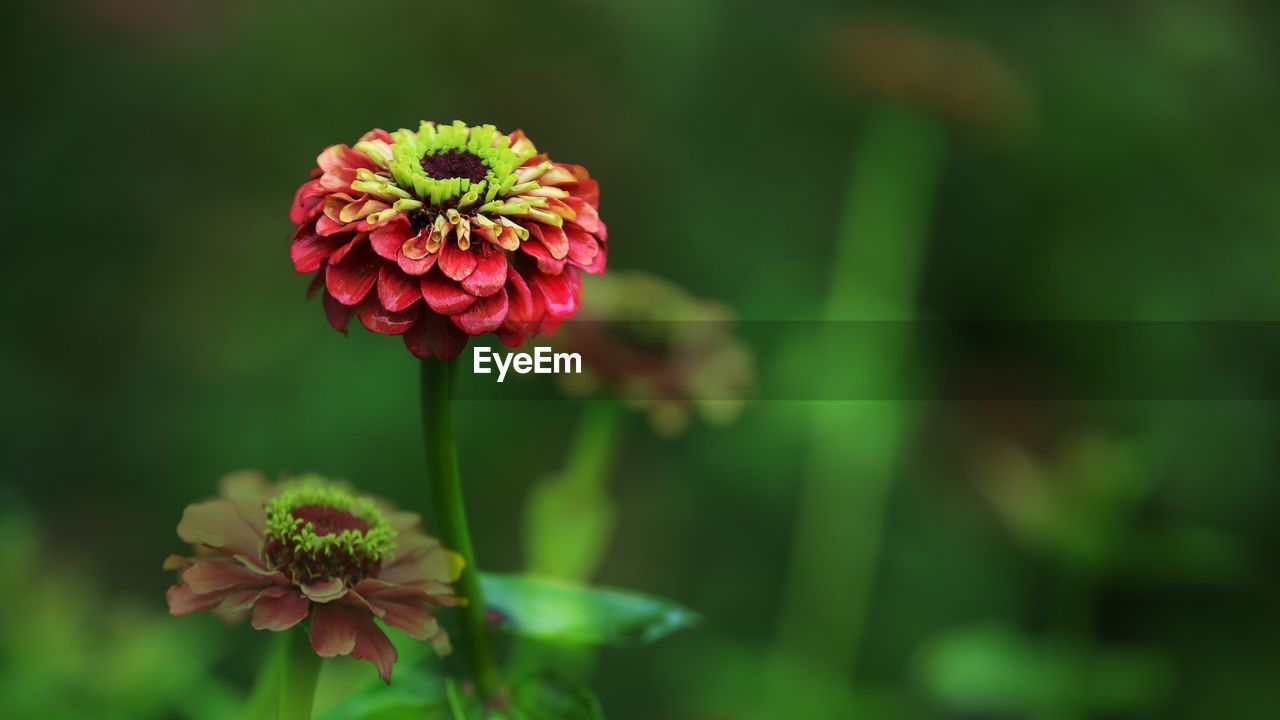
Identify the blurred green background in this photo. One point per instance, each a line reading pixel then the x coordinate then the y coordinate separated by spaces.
pixel 796 161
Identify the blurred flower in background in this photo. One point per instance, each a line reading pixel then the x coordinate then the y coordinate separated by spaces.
pixel 1082 511
pixel 659 350
pixel 1079 513
pixel 312 550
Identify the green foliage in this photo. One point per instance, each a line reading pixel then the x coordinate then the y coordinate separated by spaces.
pixel 535 697
pixel 422 692
pixel 418 691
pixel 69 651
pixel 564 612
pixel 994 669
pixel 1082 512
pixel 567 527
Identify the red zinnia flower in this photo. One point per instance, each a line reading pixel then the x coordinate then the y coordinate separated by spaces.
pixel 447 232
pixel 312 549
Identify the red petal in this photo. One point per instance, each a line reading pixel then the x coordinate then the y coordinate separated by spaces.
pixel 588 219
pixel 350 280
pixel 588 190
pixel 206 576
pixel 515 337
pixel 333 630
pixel 337 313
pixel 434 336
pixel 386 240
pixel 521 307
pixel 445 296
pixel 490 272
pixel 372 645
pixel 342 250
pixel 324 591
pixel 184 602
pixel 583 248
pixel 416 267
pixel 415 246
pixel 381 320
pixel 326 225
pixel 412 617
pixel 309 250
pixel 486 315
pixel 218 524
pixel 552 237
pixel 376 134
pixel 396 290
pixel 305 201
pixel 280 613
pixel 539 252
pixel 455 263
pixel 341 157
pixel 559 291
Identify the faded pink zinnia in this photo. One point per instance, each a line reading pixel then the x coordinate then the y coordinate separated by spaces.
pixel 447 232
pixel 310 549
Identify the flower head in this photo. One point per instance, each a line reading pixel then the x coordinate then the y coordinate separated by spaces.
pixel 660 350
pixel 446 232
pixel 311 549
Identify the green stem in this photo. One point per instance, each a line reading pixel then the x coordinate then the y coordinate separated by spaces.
pixel 568 516
pixel 451 517
pixel 594 445
pixel 264 698
pixel 301 667
pixel 856 445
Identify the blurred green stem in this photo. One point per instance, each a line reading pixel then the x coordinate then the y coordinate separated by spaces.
pixel 263 701
pixel 568 525
pixel 445 485
pixel 856 444
pixel 301 667
pixel 591 456
pixel 568 516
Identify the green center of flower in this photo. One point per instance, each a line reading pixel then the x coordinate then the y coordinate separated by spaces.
pixel 317 532
pixel 445 166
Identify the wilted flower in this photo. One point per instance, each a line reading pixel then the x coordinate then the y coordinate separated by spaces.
pixel 447 232
pixel 661 350
pixel 312 549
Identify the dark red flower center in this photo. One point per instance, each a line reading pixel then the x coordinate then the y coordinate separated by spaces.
pixel 455 164
pixel 303 564
pixel 329 521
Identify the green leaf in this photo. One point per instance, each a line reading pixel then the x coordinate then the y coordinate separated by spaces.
pixel 553 697
pixel 414 693
pixel 562 612
pixel 533 697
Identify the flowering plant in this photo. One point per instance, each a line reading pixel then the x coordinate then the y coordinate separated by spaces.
pixel 312 550
pixel 447 232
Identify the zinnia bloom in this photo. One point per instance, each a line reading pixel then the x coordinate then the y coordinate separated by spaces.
pixel 447 232
pixel 311 549
pixel 660 350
